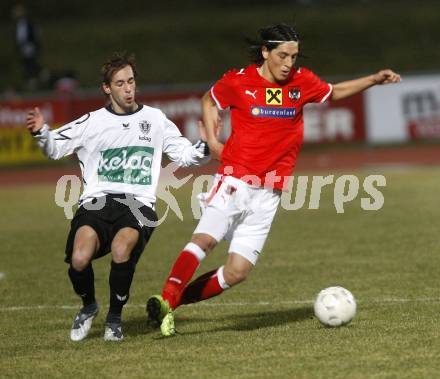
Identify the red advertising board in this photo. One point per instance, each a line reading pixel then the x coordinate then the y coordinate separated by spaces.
pixel 324 123
pixel 341 121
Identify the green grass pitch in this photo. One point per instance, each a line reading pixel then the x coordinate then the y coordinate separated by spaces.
pixel 389 259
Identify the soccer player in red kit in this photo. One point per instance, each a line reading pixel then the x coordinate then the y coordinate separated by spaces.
pixel 266 101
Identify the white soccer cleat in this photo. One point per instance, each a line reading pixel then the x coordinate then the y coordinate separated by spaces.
pixel 82 324
pixel 113 332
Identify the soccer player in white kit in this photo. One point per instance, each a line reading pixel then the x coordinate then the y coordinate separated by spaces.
pixel 119 149
pixel 266 100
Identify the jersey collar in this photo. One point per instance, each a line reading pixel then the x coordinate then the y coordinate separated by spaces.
pixel 254 69
pixel 110 109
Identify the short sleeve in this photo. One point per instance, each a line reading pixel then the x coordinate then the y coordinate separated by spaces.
pixel 316 89
pixel 223 92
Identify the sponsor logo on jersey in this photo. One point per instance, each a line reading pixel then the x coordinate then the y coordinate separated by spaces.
pixel 250 93
pixel 274 96
pixel 145 126
pixel 273 112
pixel 130 165
pixel 126 126
pixel 294 93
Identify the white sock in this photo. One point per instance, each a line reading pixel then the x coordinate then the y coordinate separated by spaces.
pixel 195 250
pixel 221 278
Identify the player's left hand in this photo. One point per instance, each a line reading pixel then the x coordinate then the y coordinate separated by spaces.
pixel 386 77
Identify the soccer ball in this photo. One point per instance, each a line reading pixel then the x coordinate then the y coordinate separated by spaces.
pixel 335 306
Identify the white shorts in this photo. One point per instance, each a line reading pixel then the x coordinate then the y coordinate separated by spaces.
pixel 239 213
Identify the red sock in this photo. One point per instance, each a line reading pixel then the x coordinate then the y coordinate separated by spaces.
pixel 204 287
pixel 181 273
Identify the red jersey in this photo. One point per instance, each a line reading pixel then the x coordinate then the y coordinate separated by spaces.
pixel 266 121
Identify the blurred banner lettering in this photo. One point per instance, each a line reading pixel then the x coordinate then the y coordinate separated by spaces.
pixel 406 111
pixel 384 114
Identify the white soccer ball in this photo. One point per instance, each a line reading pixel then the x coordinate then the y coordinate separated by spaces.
pixel 335 306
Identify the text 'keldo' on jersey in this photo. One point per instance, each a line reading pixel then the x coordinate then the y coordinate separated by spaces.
pixel 131 165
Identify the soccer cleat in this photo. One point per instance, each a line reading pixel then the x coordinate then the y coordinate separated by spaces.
pixel 113 332
pixel 167 327
pixel 83 322
pixel 157 309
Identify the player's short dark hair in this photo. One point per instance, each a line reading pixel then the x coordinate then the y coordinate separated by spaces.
pixel 116 62
pixel 279 32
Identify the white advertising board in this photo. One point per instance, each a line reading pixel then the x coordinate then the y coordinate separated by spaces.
pixel 405 111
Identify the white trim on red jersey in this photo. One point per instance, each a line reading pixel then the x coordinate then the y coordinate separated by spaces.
pixel 215 99
pixel 327 94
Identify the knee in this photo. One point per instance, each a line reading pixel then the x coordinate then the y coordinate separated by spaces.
pixel 234 275
pixel 80 260
pixel 121 251
pixel 204 241
pixel 85 245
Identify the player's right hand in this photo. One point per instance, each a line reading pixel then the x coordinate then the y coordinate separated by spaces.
pixel 34 120
pixel 386 77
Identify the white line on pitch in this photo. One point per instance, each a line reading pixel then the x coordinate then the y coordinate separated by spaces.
pixel 231 304
pixel 2 275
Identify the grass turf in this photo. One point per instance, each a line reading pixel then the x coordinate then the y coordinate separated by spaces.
pixel 263 328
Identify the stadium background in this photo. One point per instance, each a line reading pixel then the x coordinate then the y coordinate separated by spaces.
pixel 388 259
pixel 182 48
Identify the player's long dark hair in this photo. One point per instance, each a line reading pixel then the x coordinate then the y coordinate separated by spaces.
pixel 279 32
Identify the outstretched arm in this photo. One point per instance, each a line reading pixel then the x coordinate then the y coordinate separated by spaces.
pixel 59 142
pixel 180 150
pixel 349 88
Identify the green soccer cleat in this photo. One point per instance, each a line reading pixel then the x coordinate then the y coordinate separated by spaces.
pixel 157 309
pixel 167 327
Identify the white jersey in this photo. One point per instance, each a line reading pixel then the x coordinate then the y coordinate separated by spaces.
pixel 120 153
